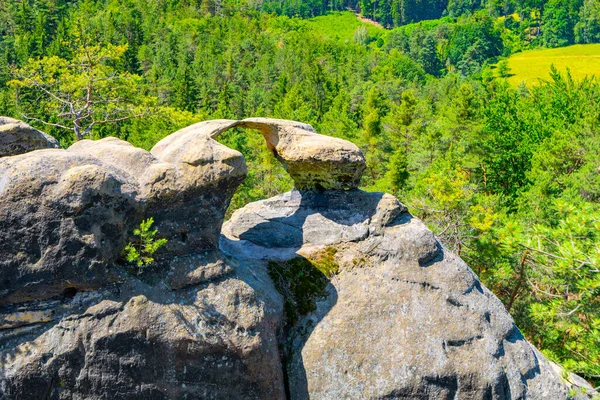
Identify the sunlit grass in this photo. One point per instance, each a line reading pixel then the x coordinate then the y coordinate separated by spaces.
pixel 342 25
pixel 529 66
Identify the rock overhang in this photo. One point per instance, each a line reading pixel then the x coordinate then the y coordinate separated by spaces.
pixel 82 203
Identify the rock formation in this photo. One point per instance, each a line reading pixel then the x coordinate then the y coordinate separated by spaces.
pixel 74 325
pixel 394 315
pixel 17 137
pixel 403 318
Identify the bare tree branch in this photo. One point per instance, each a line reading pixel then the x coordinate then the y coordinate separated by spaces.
pixel 46 123
pixel 43 89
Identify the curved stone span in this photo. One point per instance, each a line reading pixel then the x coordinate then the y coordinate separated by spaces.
pixel 313 161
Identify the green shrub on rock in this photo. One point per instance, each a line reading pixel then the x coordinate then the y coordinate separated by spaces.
pixel 141 251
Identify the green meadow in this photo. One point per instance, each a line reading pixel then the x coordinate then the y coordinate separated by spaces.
pixel 342 26
pixel 532 65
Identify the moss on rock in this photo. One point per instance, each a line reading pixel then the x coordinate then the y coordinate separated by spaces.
pixel 301 281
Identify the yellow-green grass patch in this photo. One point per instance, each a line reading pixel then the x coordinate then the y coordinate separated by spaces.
pixel 532 65
pixel 342 25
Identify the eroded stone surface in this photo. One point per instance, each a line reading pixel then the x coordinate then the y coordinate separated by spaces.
pixel 278 227
pixel 404 318
pixel 63 217
pixel 17 137
pixel 311 159
pixel 73 325
pixel 136 340
pixel 66 215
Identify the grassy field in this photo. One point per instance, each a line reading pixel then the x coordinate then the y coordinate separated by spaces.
pixel 529 66
pixel 342 25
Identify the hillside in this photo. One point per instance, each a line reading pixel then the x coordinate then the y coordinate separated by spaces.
pixel 532 65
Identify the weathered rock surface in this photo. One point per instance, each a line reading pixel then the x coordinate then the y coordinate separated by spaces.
pixel 66 215
pixel 73 325
pixel 137 340
pixel 63 217
pixel 404 318
pixel 312 160
pixel 17 137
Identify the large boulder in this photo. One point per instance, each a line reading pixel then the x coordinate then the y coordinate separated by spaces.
pixel 312 160
pixel 207 175
pixel 402 318
pixel 17 137
pixel 63 218
pixel 66 215
pixel 74 325
pixel 381 310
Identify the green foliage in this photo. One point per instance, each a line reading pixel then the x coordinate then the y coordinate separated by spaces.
pixel 561 260
pixel 587 29
pixel 79 93
pixel 558 22
pixel 503 69
pixel 141 251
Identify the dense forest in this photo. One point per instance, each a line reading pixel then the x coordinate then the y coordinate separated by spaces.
pixel 509 178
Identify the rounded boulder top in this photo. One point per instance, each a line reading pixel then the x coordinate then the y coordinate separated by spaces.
pixel 17 137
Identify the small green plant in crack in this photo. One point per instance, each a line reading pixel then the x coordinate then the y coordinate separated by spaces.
pixel 301 281
pixel 141 251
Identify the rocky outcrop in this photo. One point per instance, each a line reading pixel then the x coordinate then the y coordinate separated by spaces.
pixel 66 214
pixel 403 318
pixel 143 340
pixel 75 325
pixel 397 316
pixel 312 160
pixel 17 137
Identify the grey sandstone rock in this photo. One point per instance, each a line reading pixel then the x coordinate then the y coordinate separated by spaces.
pixel 134 340
pixel 17 137
pixel 63 217
pixel 76 326
pixel 312 160
pixel 403 319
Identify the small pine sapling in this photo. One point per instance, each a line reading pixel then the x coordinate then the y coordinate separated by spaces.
pixel 141 251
